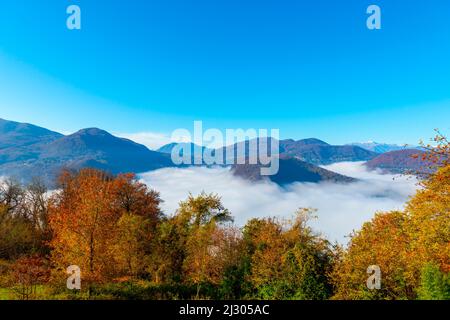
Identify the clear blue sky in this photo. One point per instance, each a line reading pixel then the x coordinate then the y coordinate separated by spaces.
pixel 308 67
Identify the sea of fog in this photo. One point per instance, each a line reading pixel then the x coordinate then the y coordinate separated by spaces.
pixel 342 208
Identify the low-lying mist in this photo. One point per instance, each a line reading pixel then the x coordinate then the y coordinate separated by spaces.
pixel 341 207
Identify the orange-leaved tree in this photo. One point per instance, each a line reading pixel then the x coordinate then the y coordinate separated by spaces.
pixel 83 221
pixel 103 224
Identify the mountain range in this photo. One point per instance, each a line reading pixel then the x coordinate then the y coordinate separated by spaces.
pixel 28 151
pixel 318 152
pixel 381 147
pixel 310 150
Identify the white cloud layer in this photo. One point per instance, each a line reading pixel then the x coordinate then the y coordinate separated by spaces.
pixel 341 208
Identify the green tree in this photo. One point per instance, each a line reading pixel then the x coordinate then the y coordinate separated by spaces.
pixel 288 260
pixel 434 284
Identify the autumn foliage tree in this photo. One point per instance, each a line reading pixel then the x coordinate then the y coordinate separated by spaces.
pixel 83 220
pixel 437 152
pixel 288 260
pixel 411 247
pixel 212 251
pixel 140 216
pixel 380 242
pixel 188 245
pixel 96 220
pixel 27 273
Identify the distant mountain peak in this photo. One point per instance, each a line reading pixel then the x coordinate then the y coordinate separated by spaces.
pixel 92 132
pixel 304 142
pixel 17 134
pixel 313 141
pixel 7 126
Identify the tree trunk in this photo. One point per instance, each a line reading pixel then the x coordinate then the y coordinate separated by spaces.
pixel 197 297
pixel 91 260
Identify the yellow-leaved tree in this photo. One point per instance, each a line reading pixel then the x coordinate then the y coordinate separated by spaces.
pixel 411 247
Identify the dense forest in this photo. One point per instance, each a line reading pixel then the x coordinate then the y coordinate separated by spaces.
pixel 113 229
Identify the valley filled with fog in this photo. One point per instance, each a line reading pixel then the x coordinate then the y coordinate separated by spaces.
pixel 342 208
